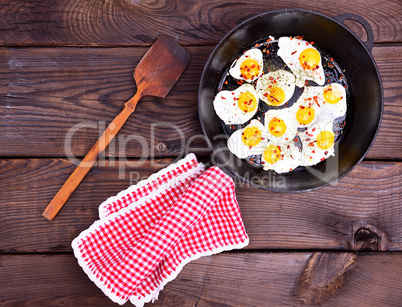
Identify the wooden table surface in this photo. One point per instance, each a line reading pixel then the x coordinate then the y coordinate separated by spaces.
pixel 65 72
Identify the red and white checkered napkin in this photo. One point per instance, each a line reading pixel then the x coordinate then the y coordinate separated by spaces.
pixel 148 232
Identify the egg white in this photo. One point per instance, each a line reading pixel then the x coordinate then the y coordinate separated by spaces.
pixel 226 107
pixel 290 158
pixel 290 50
pixel 279 78
pixel 255 54
pixel 286 115
pixel 237 146
pixel 329 110
pixel 311 153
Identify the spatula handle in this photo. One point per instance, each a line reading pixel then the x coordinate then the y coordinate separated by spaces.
pixel 83 168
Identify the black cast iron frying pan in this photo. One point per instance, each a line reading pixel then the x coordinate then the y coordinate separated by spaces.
pixel 365 95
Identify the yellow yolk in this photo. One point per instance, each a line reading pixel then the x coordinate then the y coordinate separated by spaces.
pixel 277 127
pixel 249 69
pixel 251 136
pixel 332 95
pixel 276 96
pixel 309 58
pixel 272 154
pixel 247 102
pixel 325 139
pixel 305 115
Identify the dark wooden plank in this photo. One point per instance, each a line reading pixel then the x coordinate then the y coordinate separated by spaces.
pixel 227 279
pixel 133 23
pixel 370 197
pixel 48 92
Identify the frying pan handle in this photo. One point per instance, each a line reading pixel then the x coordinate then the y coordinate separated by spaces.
pixel 370 36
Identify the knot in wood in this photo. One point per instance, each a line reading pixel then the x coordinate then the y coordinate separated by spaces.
pixel 161 147
pixel 366 240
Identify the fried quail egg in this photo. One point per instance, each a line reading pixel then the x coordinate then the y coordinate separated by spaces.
pixel 280 124
pixel 276 87
pixel 238 106
pixel 334 101
pixel 306 113
pixel 318 143
pixel 320 104
pixel 303 60
pixel 249 66
pixel 248 141
pixel 282 158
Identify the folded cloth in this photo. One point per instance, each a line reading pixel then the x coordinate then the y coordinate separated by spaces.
pixel 142 243
pixel 186 169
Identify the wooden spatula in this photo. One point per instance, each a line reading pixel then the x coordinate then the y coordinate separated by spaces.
pixel 155 75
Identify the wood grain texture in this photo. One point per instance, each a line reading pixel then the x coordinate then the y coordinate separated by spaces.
pixel 134 23
pixel 324 275
pixel 46 93
pixel 369 197
pixel 227 279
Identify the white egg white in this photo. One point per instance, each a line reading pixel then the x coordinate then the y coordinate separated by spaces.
pixel 336 110
pixel 286 115
pixel 226 106
pixel 290 158
pixel 254 54
pixel 309 98
pixel 237 147
pixel 279 78
pixel 311 153
pixel 289 50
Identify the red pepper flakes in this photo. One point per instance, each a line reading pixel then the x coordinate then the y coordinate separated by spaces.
pixel 293 52
pixel 226 82
pixel 331 59
pixel 322 159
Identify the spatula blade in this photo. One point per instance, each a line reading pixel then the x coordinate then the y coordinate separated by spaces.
pixel 161 67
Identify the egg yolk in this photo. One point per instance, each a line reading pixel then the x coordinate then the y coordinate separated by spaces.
pixel 276 96
pixel 332 95
pixel 249 69
pixel 325 139
pixel 309 58
pixel 277 127
pixel 305 115
pixel 251 136
pixel 272 154
pixel 247 102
